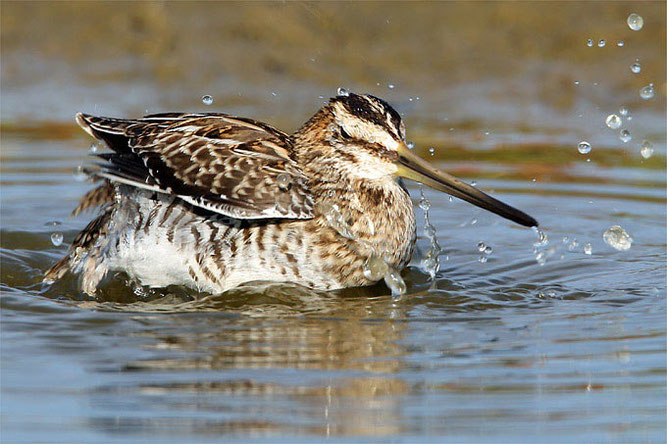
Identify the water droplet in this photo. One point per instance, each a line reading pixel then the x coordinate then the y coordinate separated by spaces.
pixel 533 180
pixel 331 193
pixel 53 223
pixel 80 174
pixel 584 147
pixel 432 151
pixel 94 148
pixel 473 183
pixel 451 199
pixel 284 181
pixel 342 92
pixel 636 68
pixel 481 246
pixel 541 258
pixel 647 92
pixel 57 239
pixel 411 145
pixel 335 219
pixel 486 133
pixel 488 250
pixel 566 239
pixel 625 136
pixel 274 94
pixel 574 244
pixel 613 121
pixel 601 43
pixel 623 111
pixel 375 268
pixel 635 22
pixel 395 282
pixel 482 259
pixel 391 86
pixel 207 100
pixel 620 43
pixel 616 237
pixel 576 82
pixel 647 149
pixel 588 160
pixel 542 238
pixel 424 203
pixel 473 221
pixel 589 42
pixel 588 249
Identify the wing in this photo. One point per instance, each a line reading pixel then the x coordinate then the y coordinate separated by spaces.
pixel 229 165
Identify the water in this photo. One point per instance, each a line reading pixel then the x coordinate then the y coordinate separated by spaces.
pixel 506 351
pixel 647 92
pixel 207 100
pixel 635 22
pixel 584 147
pixel 625 136
pixel 646 149
pixel 613 121
pixel 616 237
pixel 636 68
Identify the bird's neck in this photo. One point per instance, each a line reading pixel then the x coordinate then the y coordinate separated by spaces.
pixel 378 211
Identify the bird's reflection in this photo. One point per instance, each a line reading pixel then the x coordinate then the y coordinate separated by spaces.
pixel 326 357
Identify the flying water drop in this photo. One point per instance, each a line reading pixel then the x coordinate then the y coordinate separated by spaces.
pixel 616 237
pixel 635 22
pixel 601 43
pixel 588 249
pixel 342 92
pixel 647 149
pixel 80 174
pixel 584 147
pixel 542 238
pixel 623 110
pixel 625 136
pixel 572 245
pixel 207 100
pixel 589 43
pixel 284 181
pixel 636 68
pixel 647 92
pixel 57 239
pixel 613 121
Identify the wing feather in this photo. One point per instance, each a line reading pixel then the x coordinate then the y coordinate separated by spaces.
pixel 230 165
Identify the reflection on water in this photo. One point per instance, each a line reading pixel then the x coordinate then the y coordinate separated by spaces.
pixel 570 346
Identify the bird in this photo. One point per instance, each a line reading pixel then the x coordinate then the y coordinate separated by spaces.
pixel 211 201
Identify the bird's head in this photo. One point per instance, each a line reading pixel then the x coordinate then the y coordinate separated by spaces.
pixel 364 137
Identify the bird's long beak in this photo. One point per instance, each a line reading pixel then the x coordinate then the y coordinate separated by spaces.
pixel 413 167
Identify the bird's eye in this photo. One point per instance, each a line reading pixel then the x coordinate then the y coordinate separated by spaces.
pixel 344 134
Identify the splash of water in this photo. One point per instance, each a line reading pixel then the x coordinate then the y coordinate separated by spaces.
pixel 431 260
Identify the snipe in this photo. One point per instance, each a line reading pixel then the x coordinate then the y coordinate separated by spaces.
pixel 211 201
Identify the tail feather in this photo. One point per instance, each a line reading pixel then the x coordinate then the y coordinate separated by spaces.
pixel 97 197
pixel 83 245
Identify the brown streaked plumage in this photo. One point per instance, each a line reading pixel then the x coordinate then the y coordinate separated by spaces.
pixel 211 201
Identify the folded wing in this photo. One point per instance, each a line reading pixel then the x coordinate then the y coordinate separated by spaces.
pixel 229 165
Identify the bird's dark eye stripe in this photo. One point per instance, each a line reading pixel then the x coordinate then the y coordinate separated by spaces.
pixel 344 134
